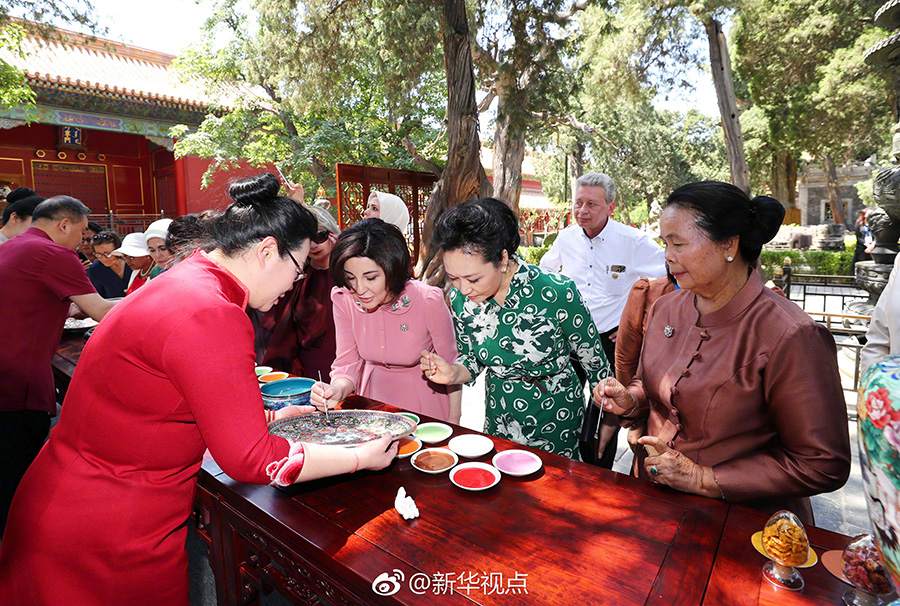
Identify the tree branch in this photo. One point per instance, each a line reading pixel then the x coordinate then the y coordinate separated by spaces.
pixel 576 7
pixel 488 99
pixel 419 158
pixel 572 122
pixel 486 63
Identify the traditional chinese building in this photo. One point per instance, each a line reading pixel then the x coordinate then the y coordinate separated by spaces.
pixel 100 131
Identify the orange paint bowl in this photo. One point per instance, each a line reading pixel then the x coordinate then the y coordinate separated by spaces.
pixel 273 376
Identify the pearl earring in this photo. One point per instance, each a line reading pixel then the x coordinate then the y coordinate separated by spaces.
pixel 729 258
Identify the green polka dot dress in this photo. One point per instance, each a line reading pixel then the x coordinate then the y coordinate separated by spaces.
pixel 533 395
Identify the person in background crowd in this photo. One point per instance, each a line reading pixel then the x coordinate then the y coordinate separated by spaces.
pixel 739 386
pixel 17 215
pixel 155 239
pixel 301 324
pixel 384 320
pixel 389 208
pixel 519 322
pixel 86 248
pixel 109 274
pixel 100 517
pixel 189 233
pixel 604 258
pixel 134 251
pixel 864 238
pixel 41 277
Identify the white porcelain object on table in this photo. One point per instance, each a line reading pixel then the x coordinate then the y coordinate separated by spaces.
pixel 426 459
pixel 517 462
pixel 471 445
pixel 483 476
pixel 432 433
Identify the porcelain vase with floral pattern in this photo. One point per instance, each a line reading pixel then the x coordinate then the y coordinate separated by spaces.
pixel 878 408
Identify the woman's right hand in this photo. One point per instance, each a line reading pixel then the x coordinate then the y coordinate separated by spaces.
pixel 377 454
pixel 437 369
pixel 612 397
pixel 324 395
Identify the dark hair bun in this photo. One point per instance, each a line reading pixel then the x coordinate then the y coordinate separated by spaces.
pixel 255 190
pixel 20 193
pixel 769 214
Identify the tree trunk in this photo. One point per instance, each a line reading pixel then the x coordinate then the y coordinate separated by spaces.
pixel 784 179
pixel 831 181
pixel 720 65
pixel 463 176
pixel 509 147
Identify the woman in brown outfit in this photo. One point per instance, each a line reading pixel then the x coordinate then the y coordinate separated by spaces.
pixel 740 388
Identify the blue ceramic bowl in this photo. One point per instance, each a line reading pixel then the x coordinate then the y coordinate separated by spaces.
pixel 286 392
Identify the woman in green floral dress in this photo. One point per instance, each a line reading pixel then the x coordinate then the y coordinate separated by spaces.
pixel 518 322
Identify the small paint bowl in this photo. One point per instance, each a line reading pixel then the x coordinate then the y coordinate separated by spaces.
pixel 434 460
pixel 432 433
pixel 263 370
pixel 287 392
pixel 471 445
pixel 408 447
pixel 475 476
pixel 517 462
pixel 269 377
pixel 410 415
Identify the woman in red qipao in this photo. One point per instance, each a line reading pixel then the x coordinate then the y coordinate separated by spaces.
pixel 100 517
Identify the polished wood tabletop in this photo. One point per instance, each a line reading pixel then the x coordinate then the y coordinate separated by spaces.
pixel 568 534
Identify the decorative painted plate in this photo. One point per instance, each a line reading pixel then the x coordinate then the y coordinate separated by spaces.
pixel 344 427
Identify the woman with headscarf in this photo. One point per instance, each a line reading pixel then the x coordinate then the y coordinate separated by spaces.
pixel 389 208
pixel 155 239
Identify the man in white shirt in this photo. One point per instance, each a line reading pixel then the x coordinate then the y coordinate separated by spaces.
pixel 604 258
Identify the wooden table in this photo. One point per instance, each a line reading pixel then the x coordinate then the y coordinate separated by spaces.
pixel 569 534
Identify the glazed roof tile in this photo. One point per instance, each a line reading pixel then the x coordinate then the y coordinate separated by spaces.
pixel 106 67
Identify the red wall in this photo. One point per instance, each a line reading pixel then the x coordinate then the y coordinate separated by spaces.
pixel 188 178
pixel 124 158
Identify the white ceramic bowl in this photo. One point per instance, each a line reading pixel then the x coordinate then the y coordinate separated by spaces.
pixel 480 471
pixel 417 444
pixel 471 445
pixel 517 462
pixel 422 460
pixel 432 433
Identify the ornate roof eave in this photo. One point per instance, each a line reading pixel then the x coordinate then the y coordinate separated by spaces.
pixel 885 52
pixel 888 16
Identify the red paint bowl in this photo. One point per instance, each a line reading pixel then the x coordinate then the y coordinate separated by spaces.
pixel 475 476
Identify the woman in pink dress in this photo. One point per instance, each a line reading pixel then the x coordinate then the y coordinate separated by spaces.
pixel 101 515
pixel 384 321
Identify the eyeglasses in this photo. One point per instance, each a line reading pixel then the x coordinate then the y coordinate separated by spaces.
pixel 103 255
pixel 103 237
pixel 321 237
pixel 300 274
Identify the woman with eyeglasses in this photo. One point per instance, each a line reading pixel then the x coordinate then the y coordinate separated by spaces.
pixel 301 325
pixel 384 321
pixel 109 274
pixel 86 249
pixel 99 517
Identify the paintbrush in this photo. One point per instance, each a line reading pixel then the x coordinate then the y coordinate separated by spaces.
pixel 326 400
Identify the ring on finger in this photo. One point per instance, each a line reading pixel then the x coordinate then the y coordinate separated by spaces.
pixel 654 470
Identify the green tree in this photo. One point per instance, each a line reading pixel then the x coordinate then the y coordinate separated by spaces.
pixel 19 18
pixel 306 86
pixel 803 64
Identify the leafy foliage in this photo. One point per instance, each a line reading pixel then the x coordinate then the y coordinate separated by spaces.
pixel 306 85
pixel 819 262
